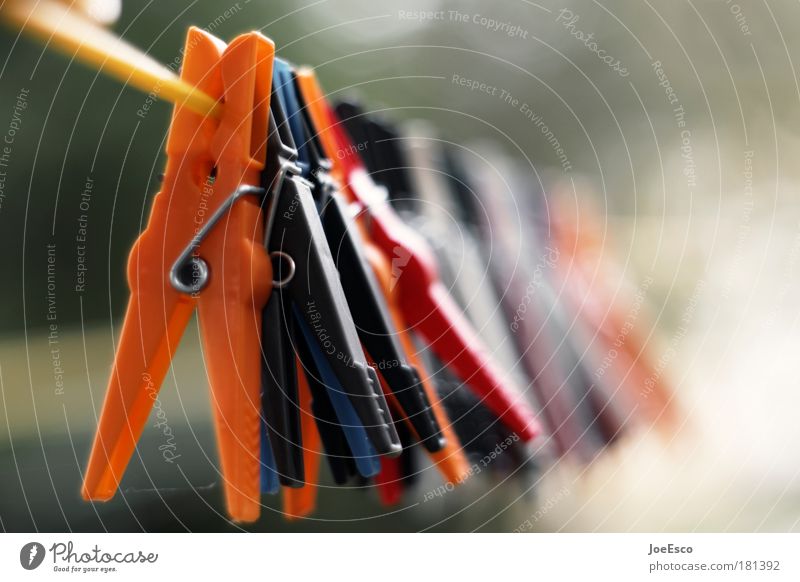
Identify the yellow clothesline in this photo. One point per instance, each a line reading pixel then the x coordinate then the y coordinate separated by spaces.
pixel 65 29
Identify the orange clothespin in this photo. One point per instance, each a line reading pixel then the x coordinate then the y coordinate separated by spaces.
pixel 209 206
pixel 300 502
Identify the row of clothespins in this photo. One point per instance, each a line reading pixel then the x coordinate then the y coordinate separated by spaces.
pixel 365 297
pixel 321 257
pixel 271 226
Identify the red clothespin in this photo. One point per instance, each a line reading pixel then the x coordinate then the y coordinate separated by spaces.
pixel 228 277
pixel 390 481
pixel 424 300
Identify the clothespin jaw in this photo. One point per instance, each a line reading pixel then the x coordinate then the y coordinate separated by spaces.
pixel 228 278
pixel 300 502
pixel 280 391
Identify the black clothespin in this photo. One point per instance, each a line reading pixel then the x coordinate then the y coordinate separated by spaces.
pixel 279 396
pixel 580 416
pixel 365 298
pixel 477 428
pixel 338 452
pixel 309 288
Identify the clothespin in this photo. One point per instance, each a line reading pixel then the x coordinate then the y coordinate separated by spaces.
pixel 584 413
pixel 308 279
pixel 402 384
pixel 437 211
pixel 450 460
pixel 596 289
pixel 463 253
pixel 608 409
pixel 516 270
pixel 424 300
pixel 365 300
pixel 300 502
pixel 202 248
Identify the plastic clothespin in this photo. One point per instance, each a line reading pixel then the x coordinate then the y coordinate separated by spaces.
pixel 300 502
pixel 401 381
pixel 329 401
pixel 425 301
pixel 365 299
pixel 289 348
pixel 222 269
pixel 280 406
pixel 456 246
pixel 584 414
pixel 451 460
pixel 597 291
pixel 415 163
pixel 611 407
pixel 520 270
pixel 602 409
pixel 309 280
